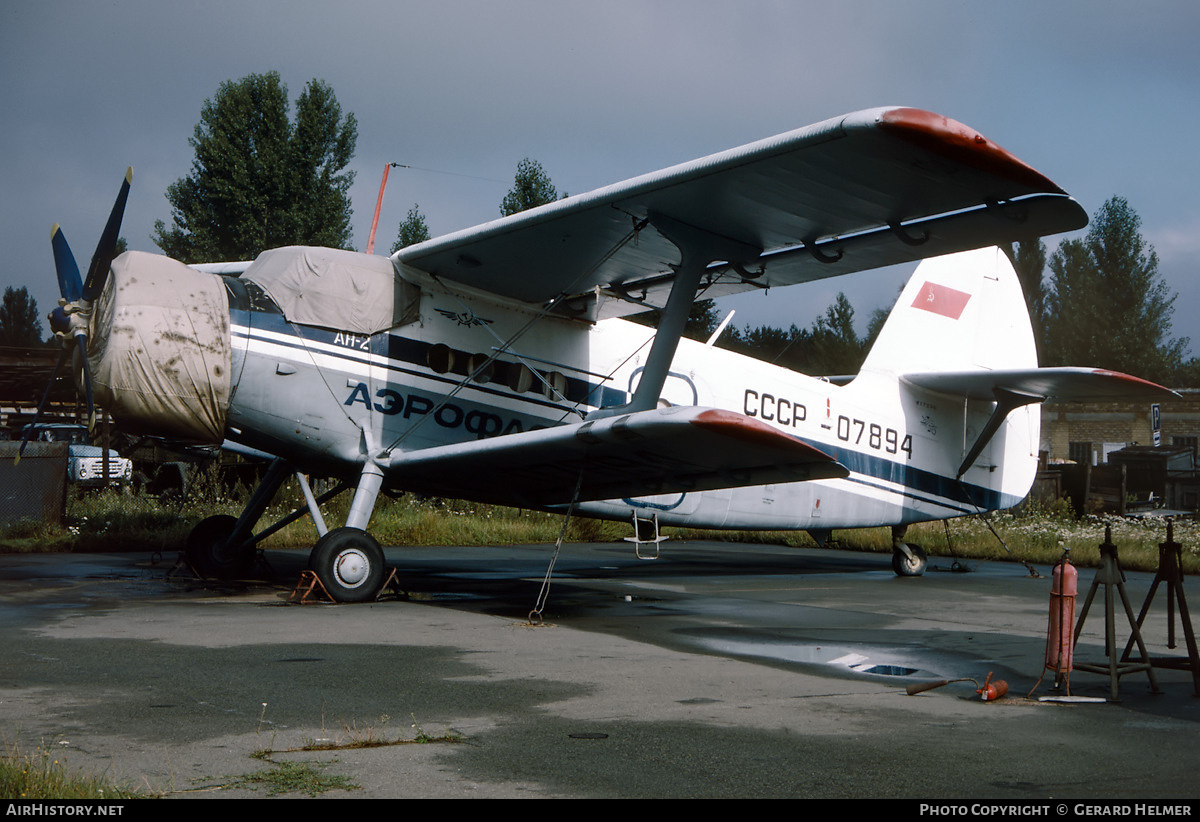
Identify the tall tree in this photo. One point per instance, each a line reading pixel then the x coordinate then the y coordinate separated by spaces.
pixel 413 230
pixel 1029 260
pixel 531 187
pixel 259 180
pixel 835 346
pixel 1107 305
pixel 769 343
pixel 20 323
pixel 702 320
pixel 829 347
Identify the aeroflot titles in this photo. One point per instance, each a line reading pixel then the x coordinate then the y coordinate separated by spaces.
pixel 448 415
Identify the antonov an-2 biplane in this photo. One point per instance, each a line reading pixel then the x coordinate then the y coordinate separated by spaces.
pixel 492 364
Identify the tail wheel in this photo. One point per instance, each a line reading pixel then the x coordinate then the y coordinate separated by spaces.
pixel 209 552
pixel 906 566
pixel 349 563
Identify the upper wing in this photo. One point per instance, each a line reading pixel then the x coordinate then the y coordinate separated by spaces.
pixel 868 189
pixel 663 451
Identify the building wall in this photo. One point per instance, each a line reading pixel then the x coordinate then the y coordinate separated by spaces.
pixel 1116 423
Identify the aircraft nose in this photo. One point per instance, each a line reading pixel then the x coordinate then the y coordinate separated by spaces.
pixel 159 349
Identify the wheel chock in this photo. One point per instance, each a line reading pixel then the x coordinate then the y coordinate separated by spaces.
pixel 391 587
pixel 309 590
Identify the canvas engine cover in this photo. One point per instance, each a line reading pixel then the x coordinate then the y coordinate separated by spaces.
pixel 159 348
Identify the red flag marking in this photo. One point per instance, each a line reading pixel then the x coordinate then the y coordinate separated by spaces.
pixel 942 300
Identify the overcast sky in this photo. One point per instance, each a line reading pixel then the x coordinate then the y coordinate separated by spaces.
pixel 1102 97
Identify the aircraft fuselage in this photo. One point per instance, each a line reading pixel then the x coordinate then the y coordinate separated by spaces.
pixel 325 396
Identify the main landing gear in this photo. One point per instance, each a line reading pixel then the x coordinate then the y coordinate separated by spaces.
pixel 349 563
pixel 908 560
pixel 347 560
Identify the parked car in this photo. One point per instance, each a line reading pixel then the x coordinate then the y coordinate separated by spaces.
pixel 85 462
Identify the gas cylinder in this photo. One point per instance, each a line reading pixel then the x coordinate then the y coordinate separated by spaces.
pixel 1060 640
pixel 992 689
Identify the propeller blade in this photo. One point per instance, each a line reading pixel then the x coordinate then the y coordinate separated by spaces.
pixel 106 250
pixel 70 285
pixel 66 352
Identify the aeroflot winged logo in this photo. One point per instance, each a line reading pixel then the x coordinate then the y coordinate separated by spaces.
pixel 465 318
pixel 941 299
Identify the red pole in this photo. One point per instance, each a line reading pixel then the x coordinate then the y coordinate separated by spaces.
pixel 378 205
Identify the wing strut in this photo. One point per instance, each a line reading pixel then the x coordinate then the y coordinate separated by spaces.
pixel 698 249
pixel 1007 401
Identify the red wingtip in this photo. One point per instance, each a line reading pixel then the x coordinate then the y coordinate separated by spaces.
pixel 962 144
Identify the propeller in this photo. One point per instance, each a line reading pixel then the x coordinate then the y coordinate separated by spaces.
pixel 106 249
pixel 69 320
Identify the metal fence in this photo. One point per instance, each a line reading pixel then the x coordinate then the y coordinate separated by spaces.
pixel 36 489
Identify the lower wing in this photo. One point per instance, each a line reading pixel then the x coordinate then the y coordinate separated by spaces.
pixel 666 450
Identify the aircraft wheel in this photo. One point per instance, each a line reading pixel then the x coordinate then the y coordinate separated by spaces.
pixel 349 563
pixel 209 552
pixel 906 567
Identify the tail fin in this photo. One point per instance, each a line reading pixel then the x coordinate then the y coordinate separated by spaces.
pixel 959 312
pixel 961 328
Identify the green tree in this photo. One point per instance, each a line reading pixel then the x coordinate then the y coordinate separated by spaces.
pixel 829 347
pixel 20 323
pixel 878 317
pixel 702 320
pixel 413 230
pixel 1107 305
pixel 1029 260
pixel 771 344
pixel 531 188
pixel 258 179
pixel 835 346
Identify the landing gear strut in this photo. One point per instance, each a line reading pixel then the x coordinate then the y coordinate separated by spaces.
pixel 222 546
pixel 348 560
pixel 908 560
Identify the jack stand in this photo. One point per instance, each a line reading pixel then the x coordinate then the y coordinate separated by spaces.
pixel 1109 575
pixel 1170 571
pixel 641 537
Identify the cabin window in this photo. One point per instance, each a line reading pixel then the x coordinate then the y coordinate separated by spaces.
pixel 440 358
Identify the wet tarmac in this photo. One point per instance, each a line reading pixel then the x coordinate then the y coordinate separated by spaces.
pixel 715 670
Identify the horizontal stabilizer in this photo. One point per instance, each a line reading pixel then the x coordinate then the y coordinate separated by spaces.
pixel 1011 389
pixel 662 451
pixel 1066 384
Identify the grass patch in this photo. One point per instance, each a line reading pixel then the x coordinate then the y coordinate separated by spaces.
pixel 43 774
pixel 306 777
pixel 123 521
pixel 1040 539
pixel 361 736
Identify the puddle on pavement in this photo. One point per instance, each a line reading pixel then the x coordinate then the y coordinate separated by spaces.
pixel 857 660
